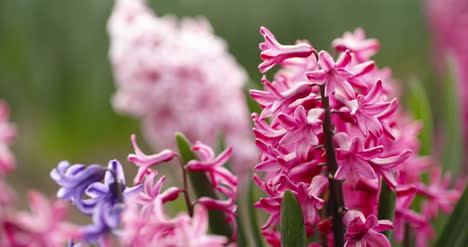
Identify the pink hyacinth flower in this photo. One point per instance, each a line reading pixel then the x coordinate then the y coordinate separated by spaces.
pixel 274 53
pixel 353 158
pixel 364 231
pixel 152 190
pixel 211 165
pixel 368 111
pixel 303 128
pixel 384 166
pixel 308 197
pixel 333 74
pixel 356 42
pixel 145 162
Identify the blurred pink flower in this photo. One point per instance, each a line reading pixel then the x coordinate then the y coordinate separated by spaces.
pixel 7 135
pixel 44 226
pixel 149 226
pixel 178 76
pixel 356 42
pixel 448 20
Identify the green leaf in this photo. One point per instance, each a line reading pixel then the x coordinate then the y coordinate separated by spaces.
pixel 418 104
pixel 453 143
pixel 292 222
pixel 257 236
pixel 202 187
pixel 185 148
pixel 455 233
pixel 387 201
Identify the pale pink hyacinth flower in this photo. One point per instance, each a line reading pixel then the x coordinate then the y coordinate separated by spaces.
pixel 7 135
pixel 364 231
pixel 171 75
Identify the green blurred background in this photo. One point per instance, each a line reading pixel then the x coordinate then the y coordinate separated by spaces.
pixel 55 74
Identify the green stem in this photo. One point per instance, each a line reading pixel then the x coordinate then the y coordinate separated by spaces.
pixel 188 202
pixel 335 204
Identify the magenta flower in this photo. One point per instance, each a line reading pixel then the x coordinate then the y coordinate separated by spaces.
pixel 7 135
pixel 364 231
pixel 357 43
pixel 369 111
pixel 308 197
pixel 303 128
pixel 333 75
pixel 353 158
pixel 383 166
pixel 145 162
pixel 274 53
pixel 277 97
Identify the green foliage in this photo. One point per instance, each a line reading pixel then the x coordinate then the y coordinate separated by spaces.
pixel 387 204
pixel 455 233
pixel 453 143
pixel 257 236
pixel 418 104
pixel 293 232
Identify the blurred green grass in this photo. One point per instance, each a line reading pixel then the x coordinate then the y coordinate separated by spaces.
pixel 55 74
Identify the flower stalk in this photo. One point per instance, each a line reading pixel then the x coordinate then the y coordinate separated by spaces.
pixel 335 204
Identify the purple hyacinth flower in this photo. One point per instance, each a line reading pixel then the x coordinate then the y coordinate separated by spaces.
pixel 103 201
pixel 74 180
pixel 109 199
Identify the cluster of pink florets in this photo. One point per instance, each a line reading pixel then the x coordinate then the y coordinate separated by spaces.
pixel 172 75
pixel 144 221
pixel 373 140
